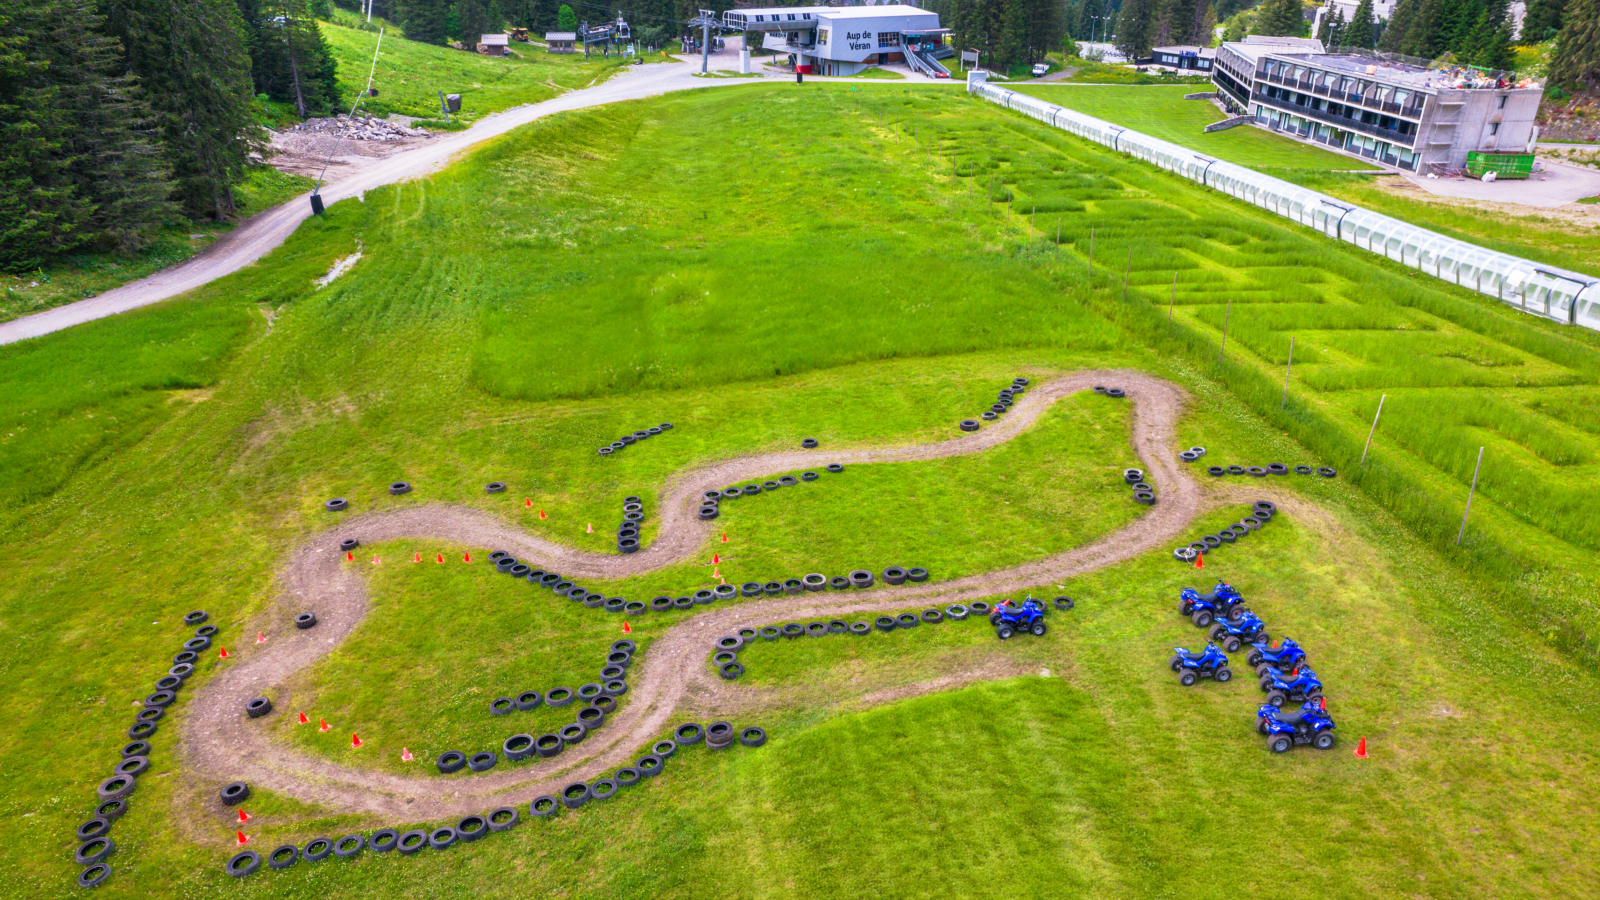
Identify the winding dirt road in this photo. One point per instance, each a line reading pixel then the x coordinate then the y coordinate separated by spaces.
pixel 220 744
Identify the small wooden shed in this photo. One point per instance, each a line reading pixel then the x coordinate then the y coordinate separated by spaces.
pixel 494 44
pixel 560 41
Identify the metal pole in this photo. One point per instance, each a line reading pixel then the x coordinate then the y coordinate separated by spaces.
pixel 1286 369
pixel 1226 315
pixel 705 43
pixel 1470 492
pixel 1374 429
pixel 1174 298
pixel 1125 273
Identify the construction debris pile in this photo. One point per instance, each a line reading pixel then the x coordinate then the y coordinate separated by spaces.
pixel 360 128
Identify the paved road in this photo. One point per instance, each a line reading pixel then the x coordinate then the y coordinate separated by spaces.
pixel 260 234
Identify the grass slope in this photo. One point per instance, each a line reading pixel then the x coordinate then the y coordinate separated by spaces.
pixel 502 334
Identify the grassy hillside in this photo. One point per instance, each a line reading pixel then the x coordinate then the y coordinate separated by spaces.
pixel 762 262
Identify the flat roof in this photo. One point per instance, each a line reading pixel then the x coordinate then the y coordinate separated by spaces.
pixel 560 35
pixel 1285 41
pixel 868 12
pixel 1446 78
pixel 1198 51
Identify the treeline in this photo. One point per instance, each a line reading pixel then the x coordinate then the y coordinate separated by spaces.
pixel 120 114
pixel 652 22
pixel 1005 32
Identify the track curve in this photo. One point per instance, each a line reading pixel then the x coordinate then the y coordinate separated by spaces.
pixel 219 743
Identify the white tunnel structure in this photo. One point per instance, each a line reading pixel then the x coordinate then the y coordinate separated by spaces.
pixel 1557 294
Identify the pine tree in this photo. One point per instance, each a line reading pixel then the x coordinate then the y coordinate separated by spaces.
pixel 1333 25
pixel 1135 25
pixel 1282 18
pixel 1575 60
pixel 426 21
pixel 1422 37
pixel 1543 20
pixel 1494 51
pixel 191 58
pixel 1456 23
pixel 566 19
pixel 1361 30
pixel 1394 36
pixel 474 19
pixel 78 164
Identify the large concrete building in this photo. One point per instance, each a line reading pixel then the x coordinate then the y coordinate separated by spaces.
pixel 1380 107
pixel 826 40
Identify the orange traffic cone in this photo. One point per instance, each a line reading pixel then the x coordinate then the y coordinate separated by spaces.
pixel 355 741
pixel 724 537
pixel 591 528
pixel 324 726
pixel 405 755
pixel 716 559
pixel 440 558
pixel 1361 749
pixel 467 556
pixel 626 628
pixel 223 654
pixel 1199 560
pixel 375 559
pixel 349 556
pixel 527 502
pixel 715 573
pixel 1324 703
pixel 418 557
pixel 261 638
pixel 303 719
pixel 542 515
pixel 721 580
pixel 244 817
pixel 241 838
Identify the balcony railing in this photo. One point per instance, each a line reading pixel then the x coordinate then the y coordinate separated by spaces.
pixel 1371 103
pixel 1387 134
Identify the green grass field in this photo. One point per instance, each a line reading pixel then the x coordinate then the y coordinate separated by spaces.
pixel 540 296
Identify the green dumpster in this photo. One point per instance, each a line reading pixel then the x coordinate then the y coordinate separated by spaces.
pixel 1503 165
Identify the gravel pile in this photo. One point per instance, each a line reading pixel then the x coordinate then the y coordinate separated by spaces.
pixel 361 129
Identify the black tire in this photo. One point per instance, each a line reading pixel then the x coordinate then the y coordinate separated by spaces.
pixel 688 734
pixel 451 761
pixel 196 644
pixel 1324 740
pixel 93 850
pixel 283 857
pixel 752 737
pixel 650 766
pixel 839 583
pixel 770 632
pixel 1175 663
pixel 660 604
pixel 793 586
pixel 96 827
pixel 809 476
pixel 576 794
pixel 1216 471
pixel 591 690
pixel 1211 541
pixel 861 578
pixel 235 793
pixel 908 620
pixel 816 629
pixel 1187 677
pixel 750 589
pixel 980 608
pixel 724 657
pixel 136 748
pixel 441 838
pixel 132 765
pixel 528 700
pixel 793 630
pixel 1303 470
pixel 1226 535
pixel 518 747
pixel 725 592
pixel 987 415
pixel 305 620
pixel 384 839
pixel 1038 629
pixel 860 628
pixel 1116 392
pixel 1187 455
pixel 1065 603
pixel 838 626
pixel 916 574
pixel 95 875
pixel 470 828
pixel 603 789
pixel 573 734
pixel 1327 472
pixel 1231 645
pixel 1222 674
pixel 1183 554
pixel 1004 632
pixel 884 623
pixel 1265 506
pixel 772 588
pixel 337 504
pixel 116 787
pixel 162 699
pixel 788 481
pixel 1255 471
pixel 1202 618
pixel 1280 743
pixel 932 616
pixel 1132 475
pixel 241 865
pixel 1145 497
pixel 731 671
pixel 664 748
pixel 1277 698
pixel 635 608
pixel 719 733
pixel 182 671
pixel 544 807
pixel 835 468
pixel 559 697
pixel 399 487
pixel 956 611
pixel 142 730
pixel 1277 469
pixel 199 616
pixel 316 850
pixel 502 819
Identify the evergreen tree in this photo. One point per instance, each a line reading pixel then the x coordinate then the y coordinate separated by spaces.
pixel 289 59
pixel 566 19
pixel 1174 21
pixel 1494 50
pixel 1394 36
pixel 427 21
pixel 1422 37
pixel 1282 18
pixel 1333 25
pixel 1542 21
pixel 1457 20
pixel 191 58
pixel 1575 60
pixel 1361 30
pixel 1135 25
pixel 78 164
pixel 474 19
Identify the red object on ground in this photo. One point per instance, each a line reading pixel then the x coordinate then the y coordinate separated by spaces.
pixel 724 537
pixel 324 726
pixel 1361 749
pixel 715 573
pixel 626 628
pixel 440 558
pixel 418 557
pixel 527 502
pixel 375 559
pixel 303 719
pixel 716 559
pixel 355 741
pixel 261 638
pixel 405 755
pixel 223 654
pixel 591 528
pixel 1199 560
pixel 542 515
pixel 242 839
pixel 467 556
pixel 243 817
pixel 1324 704
pixel 349 556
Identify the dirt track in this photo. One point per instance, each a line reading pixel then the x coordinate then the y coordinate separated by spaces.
pixel 219 744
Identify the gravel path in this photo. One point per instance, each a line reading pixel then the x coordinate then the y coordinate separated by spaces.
pixel 220 744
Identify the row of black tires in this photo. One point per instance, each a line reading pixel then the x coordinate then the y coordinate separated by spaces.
pixel 1003 402
pixel 94 836
pixel 600 698
pixel 628 440
pixel 628 528
pixel 1268 469
pixel 716 736
pixel 396 489
pixel 1142 492
pixel 711 501
pixel 726 650
pixel 1260 514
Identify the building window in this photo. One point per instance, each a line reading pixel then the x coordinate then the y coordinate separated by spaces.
pixel 822 35
pixel 791 17
pixel 888 39
pixel 1494 127
pixel 761 18
pixel 1503 101
pixel 805 15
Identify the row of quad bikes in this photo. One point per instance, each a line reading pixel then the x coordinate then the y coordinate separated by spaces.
pixel 1282 670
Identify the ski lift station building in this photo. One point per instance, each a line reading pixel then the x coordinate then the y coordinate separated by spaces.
pixel 843 40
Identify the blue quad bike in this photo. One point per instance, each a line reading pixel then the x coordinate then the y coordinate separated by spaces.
pixel 1008 619
pixel 1300 686
pixel 1233 635
pixel 1222 603
pixel 1193 665
pixel 1267 658
pixel 1311 725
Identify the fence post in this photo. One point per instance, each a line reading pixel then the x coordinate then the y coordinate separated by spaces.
pixel 1286 369
pixel 1470 491
pixel 1226 316
pixel 1374 429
